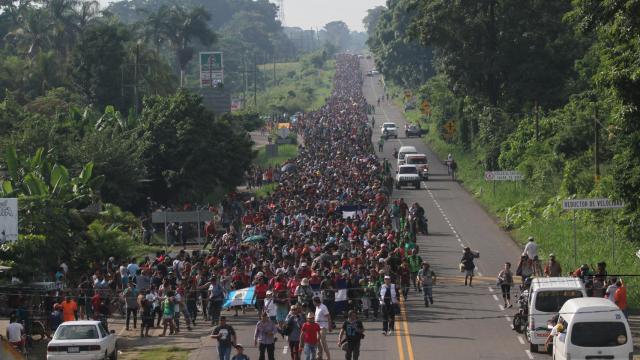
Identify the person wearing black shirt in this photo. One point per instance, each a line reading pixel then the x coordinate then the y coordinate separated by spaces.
pixel 226 337
pixel 352 333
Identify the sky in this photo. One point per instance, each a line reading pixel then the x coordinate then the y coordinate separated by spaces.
pixel 316 13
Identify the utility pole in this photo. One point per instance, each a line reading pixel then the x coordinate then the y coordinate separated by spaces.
pixel 537 110
pixel 597 144
pixel 255 80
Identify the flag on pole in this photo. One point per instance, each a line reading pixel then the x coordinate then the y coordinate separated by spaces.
pixel 239 297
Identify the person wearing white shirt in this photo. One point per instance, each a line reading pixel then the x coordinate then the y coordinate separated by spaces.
pixel 531 249
pixel 389 302
pixel 15 332
pixel 323 318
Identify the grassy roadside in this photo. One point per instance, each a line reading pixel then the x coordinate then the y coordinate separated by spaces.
pixel 522 212
pixel 298 86
pixel 285 152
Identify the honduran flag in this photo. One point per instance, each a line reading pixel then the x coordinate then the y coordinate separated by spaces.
pixel 341 296
pixel 239 297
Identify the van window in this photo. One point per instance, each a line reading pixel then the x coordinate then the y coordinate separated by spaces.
pixel 403 154
pixel 552 301
pixel 417 160
pixel 599 334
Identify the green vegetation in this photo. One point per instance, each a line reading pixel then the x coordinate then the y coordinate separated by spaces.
pixel 285 152
pixel 300 86
pixel 531 87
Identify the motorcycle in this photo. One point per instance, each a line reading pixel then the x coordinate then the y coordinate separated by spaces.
pixel 521 318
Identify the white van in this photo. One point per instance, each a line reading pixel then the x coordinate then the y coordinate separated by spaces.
pixel 594 328
pixel 546 297
pixel 421 162
pixel 404 150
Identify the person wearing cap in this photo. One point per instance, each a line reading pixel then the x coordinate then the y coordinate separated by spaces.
pixel 304 293
pixel 226 336
pixel 310 337
pixel 240 355
pixel 291 327
pixel 388 301
pixel 270 307
pixel 552 268
pixel 426 278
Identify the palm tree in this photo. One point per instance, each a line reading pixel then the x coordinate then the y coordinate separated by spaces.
pixel 154 26
pixel 31 35
pixel 184 26
pixel 64 24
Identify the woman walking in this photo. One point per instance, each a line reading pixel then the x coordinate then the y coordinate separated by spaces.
pixel 505 281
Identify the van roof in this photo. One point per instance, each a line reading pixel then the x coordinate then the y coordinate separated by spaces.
pixel 407 148
pixel 558 283
pixel 416 155
pixel 597 307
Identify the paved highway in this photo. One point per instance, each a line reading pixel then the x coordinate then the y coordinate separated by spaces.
pixel 464 322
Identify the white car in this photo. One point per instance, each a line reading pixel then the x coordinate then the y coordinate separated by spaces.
pixel 82 340
pixel 390 128
pixel 407 175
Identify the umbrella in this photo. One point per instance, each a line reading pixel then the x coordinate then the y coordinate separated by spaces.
pixel 290 167
pixel 255 238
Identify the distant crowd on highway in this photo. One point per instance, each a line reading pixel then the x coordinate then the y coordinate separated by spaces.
pixel 326 244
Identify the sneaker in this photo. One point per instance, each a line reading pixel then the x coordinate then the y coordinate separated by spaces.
pixel 510 306
pixel 390 332
pixel 384 332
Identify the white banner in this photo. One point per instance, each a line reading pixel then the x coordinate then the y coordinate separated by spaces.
pixel 8 220
pixel 602 203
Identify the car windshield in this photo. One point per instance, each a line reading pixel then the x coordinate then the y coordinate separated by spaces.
pixel 552 301
pixel 416 160
pixel 387 126
pixel 599 334
pixel 76 332
pixel 408 170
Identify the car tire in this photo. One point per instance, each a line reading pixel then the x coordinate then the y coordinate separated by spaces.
pixel 114 354
pixel 398 186
pixel 418 185
pixel 533 348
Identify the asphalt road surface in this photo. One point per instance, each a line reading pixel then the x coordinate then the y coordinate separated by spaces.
pixel 464 322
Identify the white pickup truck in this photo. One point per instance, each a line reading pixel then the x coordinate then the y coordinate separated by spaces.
pixel 407 175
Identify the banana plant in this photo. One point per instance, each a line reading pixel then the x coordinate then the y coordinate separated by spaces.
pixel 34 176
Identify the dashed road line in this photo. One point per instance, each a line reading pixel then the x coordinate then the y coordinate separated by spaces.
pixel 495 297
pixel 529 354
pixel 520 339
pixel 285 349
pixel 490 289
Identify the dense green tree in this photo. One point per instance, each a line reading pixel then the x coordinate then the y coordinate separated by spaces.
pixel 97 62
pixel 338 34
pixel 373 18
pixel 189 152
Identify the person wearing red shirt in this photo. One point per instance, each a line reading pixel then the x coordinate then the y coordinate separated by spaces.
pixel 620 297
pixel 260 292
pixel 309 337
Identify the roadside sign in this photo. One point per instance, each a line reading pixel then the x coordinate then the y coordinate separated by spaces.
pixel 8 220
pixel 602 203
pixel 426 107
pixel 211 68
pixel 450 127
pixel 503 176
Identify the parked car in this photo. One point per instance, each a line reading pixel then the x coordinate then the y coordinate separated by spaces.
pixel 390 128
pixel 82 340
pixel 413 130
pixel 407 175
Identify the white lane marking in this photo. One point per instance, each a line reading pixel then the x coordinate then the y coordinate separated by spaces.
pixel 500 306
pixel 529 354
pixel 479 273
pixel 520 339
pixel 285 349
pixel 490 289
pixel 509 319
pixel 459 240
pixel 461 245
pixel 495 297
pixel 455 232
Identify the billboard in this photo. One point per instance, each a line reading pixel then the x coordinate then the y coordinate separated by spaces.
pixel 8 220
pixel 211 68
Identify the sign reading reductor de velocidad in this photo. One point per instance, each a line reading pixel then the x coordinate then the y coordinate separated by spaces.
pixel 603 203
